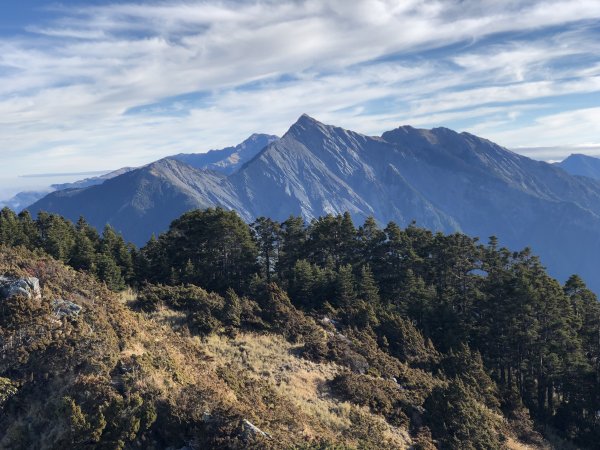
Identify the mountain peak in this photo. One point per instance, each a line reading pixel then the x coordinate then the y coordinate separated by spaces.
pixel 305 121
pixel 578 156
pixel 229 159
pixel 305 116
pixel 258 137
pixel 582 165
pixel 164 163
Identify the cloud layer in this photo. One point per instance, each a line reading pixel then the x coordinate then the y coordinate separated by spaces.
pixel 121 84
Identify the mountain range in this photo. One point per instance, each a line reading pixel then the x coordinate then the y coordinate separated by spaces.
pixel 443 180
pixel 583 165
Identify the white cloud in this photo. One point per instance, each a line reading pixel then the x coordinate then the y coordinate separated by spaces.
pixel 555 131
pixel 65 88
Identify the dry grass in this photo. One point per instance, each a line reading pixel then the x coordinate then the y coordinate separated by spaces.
pixel 513 444
pixel 128 296
pixel 302 383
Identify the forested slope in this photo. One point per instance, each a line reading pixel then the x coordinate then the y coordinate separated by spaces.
pixel 319 335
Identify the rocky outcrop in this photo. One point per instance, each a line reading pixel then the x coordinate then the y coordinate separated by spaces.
pixel 251 431
pixel 25 287
pixel 65 308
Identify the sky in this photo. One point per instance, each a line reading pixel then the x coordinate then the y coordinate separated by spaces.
pixel 89 85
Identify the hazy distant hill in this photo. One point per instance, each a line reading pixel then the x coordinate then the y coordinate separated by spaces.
pixel 24 199
pixel 444 180
pixel 583 165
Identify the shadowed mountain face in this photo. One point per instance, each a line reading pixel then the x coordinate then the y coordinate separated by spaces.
pixel 443 180
pixel 586 166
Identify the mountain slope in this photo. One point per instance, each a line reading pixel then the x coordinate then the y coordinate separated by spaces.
pixel 229 159
pixel 443 180
pixel 225 161
pixel 144 201
pixel 317 169
pixel 583 165
pixel 22 200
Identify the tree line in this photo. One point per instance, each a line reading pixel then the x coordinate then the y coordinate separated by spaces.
pixel 538 340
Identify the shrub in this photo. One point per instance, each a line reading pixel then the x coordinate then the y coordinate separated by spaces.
pixel 381 396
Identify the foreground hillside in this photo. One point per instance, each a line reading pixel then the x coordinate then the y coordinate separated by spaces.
pixel 282 335
pixel 110 377
pixel 444 180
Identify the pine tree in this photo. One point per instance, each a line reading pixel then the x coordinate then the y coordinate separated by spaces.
pixel 268 236
pixel 459 421
pixel 233 309
pixel 345 294
pixel 367 287
pixel 219 244
pixel 109 272
pixel 83 254
pixel 293 241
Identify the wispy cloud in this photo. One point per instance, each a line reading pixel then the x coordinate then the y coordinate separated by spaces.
pixel 131 82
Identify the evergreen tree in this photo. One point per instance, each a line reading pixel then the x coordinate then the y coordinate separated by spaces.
pixel 459 421
pixel 233 309
pixel 367 287
pixel 345 294
pixel 268 236
pixel 109 272
pixel 293 241
pixel 219 245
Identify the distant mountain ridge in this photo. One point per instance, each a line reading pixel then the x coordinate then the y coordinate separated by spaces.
pixel 444 180
pixel 229 159
pixel 583 165
pixel 226 161
pixel 24 199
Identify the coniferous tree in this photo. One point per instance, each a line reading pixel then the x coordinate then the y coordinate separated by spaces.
pixel 219 245
pixel 367 287
pixel 345 293
pixel 233 309
pixel 293 240
pixel 268 236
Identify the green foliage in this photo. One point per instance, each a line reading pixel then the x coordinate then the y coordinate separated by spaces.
pixel 382 396
pixel 108 257
pixel 459 421
pixel 232 312
pixel 268 237
pixel 213 248
pixel 467 366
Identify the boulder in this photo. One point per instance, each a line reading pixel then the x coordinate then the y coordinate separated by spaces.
pixel 65 308
pixel 26 287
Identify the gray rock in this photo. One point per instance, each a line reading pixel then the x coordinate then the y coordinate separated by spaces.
pixel 207 417
pixel 26 287
pixel 65 308
pixel 251 431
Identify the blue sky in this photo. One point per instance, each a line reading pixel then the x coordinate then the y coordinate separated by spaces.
pixel 89 85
